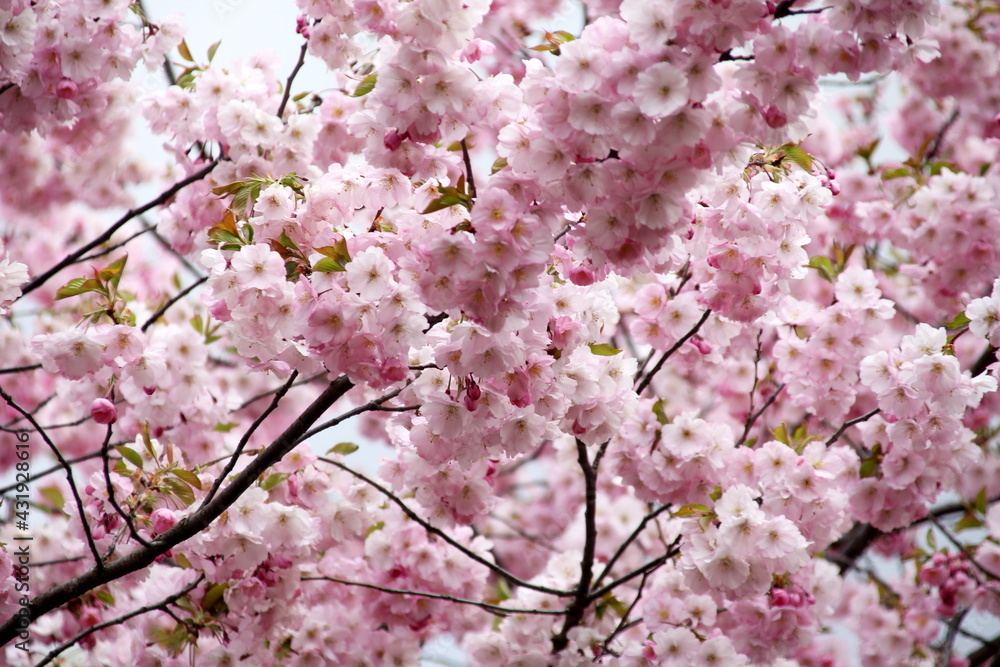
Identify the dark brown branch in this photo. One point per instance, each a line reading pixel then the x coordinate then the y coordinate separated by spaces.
pixel 576 609
pixel 648 567
pixel 846 425
pixel 752 419
pixel 982 655
pixel 159 606
pixel 19 369
pixel 430 528
pixel 73 257
pixel 666 355
pixel 492 608
pixel 935 146
pixel 278 395
pixel 105 461
pixel 185 529
pixel 629 540
pixel 291 77
pixel 469 177
pixel 64 464
pixel 170 302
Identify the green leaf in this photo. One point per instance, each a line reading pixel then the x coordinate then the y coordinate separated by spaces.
pixel 824 266
pixel 931 539
pixel 661 416
pixel 180 490
pixel 182 560
pixel 213 595
pixel 799 156
pixel 187 477
pixel 105 597
pixel 498 164
pixel 186 80
pixel 212 49
pixel 869 468
pixel 185 52
pixel 958 321
pixel 78 286
pixel 603 349
pixel 284 240
pixel 968 521
pixel 343 448
pixel 781 434
pixel 503 590
pixel 367 85
pixel 897 172
pixel 55 498
pixel 130 455
pixel 981 502
pixel 328 265
pixel 376 527
pixel 274 480
pixel 691 510
pixel 446 201
pixel 225 427
pixel 112 273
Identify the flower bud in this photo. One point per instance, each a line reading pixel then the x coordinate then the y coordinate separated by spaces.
pixel 103 411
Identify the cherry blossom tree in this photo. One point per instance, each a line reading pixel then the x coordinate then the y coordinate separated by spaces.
pixel 680 328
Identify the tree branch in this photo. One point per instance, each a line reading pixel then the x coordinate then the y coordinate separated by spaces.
pixel 666 355
pixel 73 257
pixel 278 395
pixel 64 464
pixel 291 77
pixel 443 535
pixel 574 613
pixel 496 610
pixel 846 425
pixel 159 606
pixel 187 527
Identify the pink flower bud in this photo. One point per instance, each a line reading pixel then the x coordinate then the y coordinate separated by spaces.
pixel 66 89
pixel 163 520
pixel 775 117
pixel 393 139
pixel 582 275
pixel 103 411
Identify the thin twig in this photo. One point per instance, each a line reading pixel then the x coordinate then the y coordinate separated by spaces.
pixel 186 528
pixel 648 567
pixel 443 535
pixel 64 464
pixel 170 302
pixel 492 608
pixel 291 77
pixel 751 420
pixel 159 606
pixel 19 369
pixel 469 177
pixel 74 256
pixel 936 143
pixel 278 395
pixel 105 461
pixel 846 425
pixel 666 355
pixel 574 613
pixel 623 623
pixel 367 407
pixel 629 540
